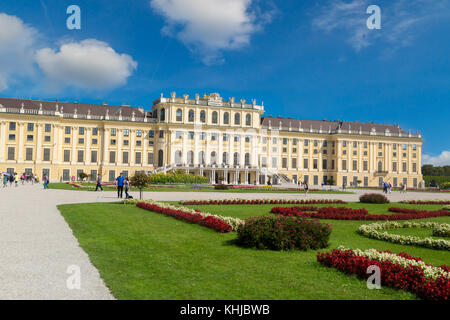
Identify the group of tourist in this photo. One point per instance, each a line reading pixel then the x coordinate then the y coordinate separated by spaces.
pixel 122 183
pixel 14 178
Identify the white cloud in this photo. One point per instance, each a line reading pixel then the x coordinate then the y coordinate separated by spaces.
pixel 89 64
pixel 209 26
pixel 401 21
pixel 441 160
pixel 17 42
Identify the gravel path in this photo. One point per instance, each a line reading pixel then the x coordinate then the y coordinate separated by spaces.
pixel 37 246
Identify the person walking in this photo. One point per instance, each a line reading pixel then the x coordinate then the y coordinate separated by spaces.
pixel 99 183
pixel 127 187
pixel 390 188
pixel 305 184
pixel 45 180
pixel 119 183
pixel 5 180
pixel 11 180
pixel 16 179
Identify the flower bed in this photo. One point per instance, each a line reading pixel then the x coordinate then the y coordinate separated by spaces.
pixel 441 230
pixel 233 222
pixel 374 231
pixel 399 271
pixel 426 202
pixel 342 213
pixel 259 201
pixel 209 221
pixel 283 233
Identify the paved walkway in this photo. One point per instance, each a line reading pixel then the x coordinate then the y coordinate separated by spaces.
pixel 37 246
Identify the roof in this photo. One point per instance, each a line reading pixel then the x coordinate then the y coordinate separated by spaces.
pixel 325 126
pixel 94 110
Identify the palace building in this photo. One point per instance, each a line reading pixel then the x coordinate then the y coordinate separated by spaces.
pixel 227 141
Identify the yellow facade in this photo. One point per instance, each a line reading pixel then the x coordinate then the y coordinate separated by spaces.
pixel 225 141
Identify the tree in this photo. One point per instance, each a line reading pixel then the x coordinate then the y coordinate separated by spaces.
pixel 330 181
pixel 140 181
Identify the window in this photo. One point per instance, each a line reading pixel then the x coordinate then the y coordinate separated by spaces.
pixel 284 140
pixel 80 140
pixel 94 141
pixel 138 133
pixel 202 116
pixel 274 162
pixel 344 143
pixel 190 157
pixel 30 127
pixel 126 142
pixel 236 138
pixel 236 159
pixel 214 117
pixel 380 166
pixel 125 157
pixel 12 126
pixel 138 143
pixel 46 154
pixel 161 134
pixel 80 157
pixel 66 174
pixel 248 120
pixel 355 144
pixel 191 135
pixel 94 156
pixel 112 142
pixel 355 153
pixel 93 175
pixel 81 130
pixel 365 165
pixel 67 130
pixel 213 157
pixel 324 164
pixel 112 175
pixel 284 163
pixel 225 157
pixel 395 146
pixel 29 137
pixel 284 150
pixel 126 132
pixel 305 163
pixel 151 134
pixel 247 139
pixel 226 118
pixel 315 164
pixel 294 141
pixel 365 144
pixel 66 140
pixel 247 159
pixel 404 167
pixel 414 147
pixel 394 166
pixel 202 136
pixel 213 136
pixel 12 137
pixel 162 115
pixel 138 157
pixel 179 115
pixel 264 162
pixel 113 132
pixel 112 157
pixel 11 153
pixel 264 140
pixel 237 119
pixel 225 137
pixel 191 115
pixel 344 164
pixel 294 163
pixel 380 145
pixel 274 140
pixel 355 165
pixel 404 147
pixel 150 158
pixel 316 143
pixel 414 167
pixel 95 131
pixel 29 154
pixel 66 155
pixel 178 135
pixel 48 127
pixel 201 157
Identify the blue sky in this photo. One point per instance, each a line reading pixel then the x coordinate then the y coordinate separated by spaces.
pixel 304 59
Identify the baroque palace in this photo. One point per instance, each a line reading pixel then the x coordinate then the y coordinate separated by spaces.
pixel 226 141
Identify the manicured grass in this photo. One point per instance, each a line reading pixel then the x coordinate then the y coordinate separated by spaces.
pixel 146 255
pixel 189 188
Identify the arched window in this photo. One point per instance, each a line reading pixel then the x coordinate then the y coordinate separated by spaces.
pixel 213 157
pixel 162 116
pixel 214 117
pixel 190 157
pixel 248 120
pixel 191 116
pixel 225 158
pixel 178 157
pixel 380 166
pixel 226 118
pixel 202 116
pixel 160 158
pixel 179 115
pixel 237 119
pixel 201 157
pixel 236 159
pixel 247 159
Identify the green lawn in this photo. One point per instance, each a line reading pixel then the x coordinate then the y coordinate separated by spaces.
pixel 189 188
pixel 146 255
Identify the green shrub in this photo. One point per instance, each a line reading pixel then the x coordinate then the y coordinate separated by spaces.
pixel 445 185
pixel 221 187
pixel 446 208
pixel 373 198
pixel 283 233
pixel 178 176
pixel 432 181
